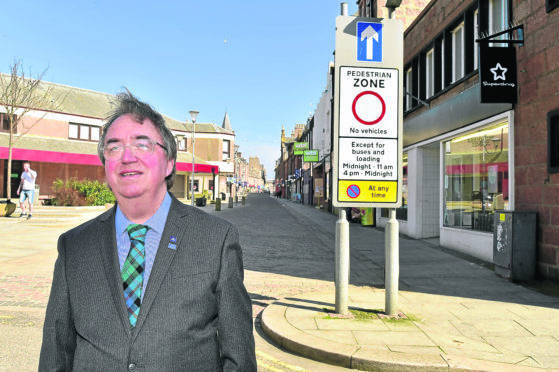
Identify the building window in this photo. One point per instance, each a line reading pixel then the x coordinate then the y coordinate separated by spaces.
pixel 181 143
pixel 458 53
pixel 551 4
pixel 226 149
pixel 553 141
pixel 402 212
pixel 498 15
pixel 443 85
pixel 5 123
pixel 476 36
pixel 429 74
pixel 84 132
pixel 408 90
pixel 498 18
pixel 476 178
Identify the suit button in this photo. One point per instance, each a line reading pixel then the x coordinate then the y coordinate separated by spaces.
pixel 132 367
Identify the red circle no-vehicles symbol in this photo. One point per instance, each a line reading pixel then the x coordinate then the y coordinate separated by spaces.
pixel 358 117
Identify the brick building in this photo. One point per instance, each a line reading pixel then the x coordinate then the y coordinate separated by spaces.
pixel 64 144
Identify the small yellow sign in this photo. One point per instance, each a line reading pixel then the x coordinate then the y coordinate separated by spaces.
pixel 502 216
pixel 367 191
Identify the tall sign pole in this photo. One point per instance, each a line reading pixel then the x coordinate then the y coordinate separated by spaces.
pixel 368 116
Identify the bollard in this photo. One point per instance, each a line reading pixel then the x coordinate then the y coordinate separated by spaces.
pixel 391 264
pixel 243 200
pixel 342 263
pixel 218 204
pixel 230 202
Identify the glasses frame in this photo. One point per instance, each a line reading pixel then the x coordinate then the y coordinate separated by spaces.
pixel 131 149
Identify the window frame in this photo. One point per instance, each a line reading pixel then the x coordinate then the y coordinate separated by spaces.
pixel 409 83
pixel 430 73
pixel 551 5
pixel 4 119
pixel 226 154
pixel 458 59
pixel 81 127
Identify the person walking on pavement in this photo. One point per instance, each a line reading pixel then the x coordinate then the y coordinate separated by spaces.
pixel 152 284
pixel 26 189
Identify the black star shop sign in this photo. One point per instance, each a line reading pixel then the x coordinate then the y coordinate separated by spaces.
pixel 497 74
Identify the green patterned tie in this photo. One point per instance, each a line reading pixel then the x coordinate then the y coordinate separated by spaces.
pixel 133 271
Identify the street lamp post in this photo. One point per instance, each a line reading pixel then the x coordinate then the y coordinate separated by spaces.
pixel 193 116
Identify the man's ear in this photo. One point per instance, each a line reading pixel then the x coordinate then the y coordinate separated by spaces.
pixel 170 166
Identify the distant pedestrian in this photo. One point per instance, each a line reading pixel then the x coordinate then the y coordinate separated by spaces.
pixel 26 189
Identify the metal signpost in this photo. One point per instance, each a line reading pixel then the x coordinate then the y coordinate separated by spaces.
pixel 368 116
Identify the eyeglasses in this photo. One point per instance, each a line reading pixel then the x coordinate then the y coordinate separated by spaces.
pixel 140 148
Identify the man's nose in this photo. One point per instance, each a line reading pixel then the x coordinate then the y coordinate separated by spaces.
pixel 128 155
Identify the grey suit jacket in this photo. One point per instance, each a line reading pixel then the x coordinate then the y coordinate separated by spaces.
pixel 196 314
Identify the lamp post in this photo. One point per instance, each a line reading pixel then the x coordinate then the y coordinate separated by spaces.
pixel 392 5
pixel 193 116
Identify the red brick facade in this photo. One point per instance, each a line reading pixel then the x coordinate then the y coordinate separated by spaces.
pixel 538 93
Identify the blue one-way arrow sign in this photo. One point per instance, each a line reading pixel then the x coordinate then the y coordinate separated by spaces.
pixel 369 41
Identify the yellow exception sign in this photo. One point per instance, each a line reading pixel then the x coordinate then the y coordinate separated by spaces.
pixel 367 191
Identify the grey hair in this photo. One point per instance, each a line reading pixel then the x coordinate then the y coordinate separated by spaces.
pixel 127 104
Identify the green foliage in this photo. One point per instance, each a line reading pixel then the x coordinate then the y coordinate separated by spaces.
pixel 74 192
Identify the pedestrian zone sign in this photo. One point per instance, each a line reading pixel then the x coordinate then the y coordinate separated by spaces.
pixel 367 157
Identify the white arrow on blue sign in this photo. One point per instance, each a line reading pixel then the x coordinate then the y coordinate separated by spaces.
pixel 369 41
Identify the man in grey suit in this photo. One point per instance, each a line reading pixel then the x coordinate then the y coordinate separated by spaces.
pixel 152 284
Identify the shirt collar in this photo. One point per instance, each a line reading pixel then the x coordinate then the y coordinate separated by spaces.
pixel 155 222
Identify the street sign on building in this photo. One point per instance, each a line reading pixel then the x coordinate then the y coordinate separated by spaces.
pixel 368 113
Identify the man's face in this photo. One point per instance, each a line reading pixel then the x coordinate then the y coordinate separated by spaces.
pixel 26 167
pixel 131 176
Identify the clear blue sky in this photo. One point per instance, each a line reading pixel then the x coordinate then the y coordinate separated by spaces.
pixel 265 62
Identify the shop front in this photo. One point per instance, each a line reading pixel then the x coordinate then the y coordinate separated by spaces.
pixel 458 171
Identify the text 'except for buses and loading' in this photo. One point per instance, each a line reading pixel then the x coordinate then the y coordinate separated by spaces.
pixel 368 159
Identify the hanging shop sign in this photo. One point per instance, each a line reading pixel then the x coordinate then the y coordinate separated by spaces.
pixel 310 156
pixel 497 74
pixel 299 147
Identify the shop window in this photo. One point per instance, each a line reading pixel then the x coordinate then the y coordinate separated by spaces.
pixel 476 178
pixel 553 141
pixel 402 212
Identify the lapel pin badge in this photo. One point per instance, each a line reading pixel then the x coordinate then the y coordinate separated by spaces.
pixel 172 242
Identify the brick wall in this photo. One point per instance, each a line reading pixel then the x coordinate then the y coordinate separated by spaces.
pixel 538 93
pixel 436 16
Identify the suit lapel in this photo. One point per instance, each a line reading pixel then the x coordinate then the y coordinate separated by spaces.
pixel 164 257
pixel 109 254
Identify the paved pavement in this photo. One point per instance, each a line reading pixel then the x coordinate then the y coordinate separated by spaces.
pixel 456 313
